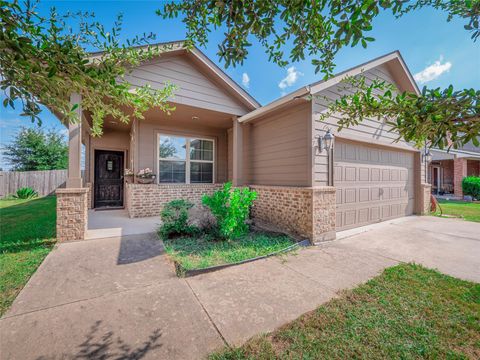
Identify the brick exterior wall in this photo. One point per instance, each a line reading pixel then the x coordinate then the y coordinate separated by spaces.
pixel 304 211
pixel 324 213
pixel 72 214
pixel 473 167
pixel 459 172
pixel 425 193
pixel 89 195
pixel 148 199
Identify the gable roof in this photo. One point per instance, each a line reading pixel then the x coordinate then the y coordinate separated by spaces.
pixel 207 65
pixel 394 60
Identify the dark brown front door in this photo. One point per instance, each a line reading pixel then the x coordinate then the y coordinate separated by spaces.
pixel 108 178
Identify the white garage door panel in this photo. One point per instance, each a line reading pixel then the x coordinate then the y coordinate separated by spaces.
pixel 373 184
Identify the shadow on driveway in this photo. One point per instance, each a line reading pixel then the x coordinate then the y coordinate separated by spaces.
pixel 103 346
pixel 136 249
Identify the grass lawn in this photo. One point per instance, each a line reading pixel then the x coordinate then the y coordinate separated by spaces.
pixel 27 234
pixel 408 312
pixel 468 211
pixel 202 252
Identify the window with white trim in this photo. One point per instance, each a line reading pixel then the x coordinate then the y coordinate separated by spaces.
pixel 185 159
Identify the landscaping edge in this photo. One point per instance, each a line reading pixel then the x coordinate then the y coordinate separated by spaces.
pixel 182 272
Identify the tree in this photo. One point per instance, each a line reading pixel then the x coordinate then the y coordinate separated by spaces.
pixel 43 61
pixel 321 28
pixel 36 149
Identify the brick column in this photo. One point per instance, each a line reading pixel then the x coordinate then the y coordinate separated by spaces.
pixel 72 213
pixel 459 172
pixel 304 211
pixel 425 194
pixel 324 213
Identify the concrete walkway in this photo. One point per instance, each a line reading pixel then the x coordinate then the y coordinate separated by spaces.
pixel 118 298
pixel 110 223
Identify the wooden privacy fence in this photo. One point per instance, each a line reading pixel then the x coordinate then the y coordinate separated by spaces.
pixel 44 182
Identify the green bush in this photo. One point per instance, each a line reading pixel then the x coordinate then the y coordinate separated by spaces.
pixel 471 186
pixel 231 209
pixel 175 219
pixel 25 193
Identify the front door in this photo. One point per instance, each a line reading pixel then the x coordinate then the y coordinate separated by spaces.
pixel 108 179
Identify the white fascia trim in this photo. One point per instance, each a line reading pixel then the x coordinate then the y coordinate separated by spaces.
pixel 304 91
pixel 458 153
pixel 365 67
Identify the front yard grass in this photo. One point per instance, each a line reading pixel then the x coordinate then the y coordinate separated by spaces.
pixel 27 234
pixel 469 211
pixel 408 312
pixel 202 252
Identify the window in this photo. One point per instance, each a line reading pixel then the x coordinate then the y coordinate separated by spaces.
pixel 185 160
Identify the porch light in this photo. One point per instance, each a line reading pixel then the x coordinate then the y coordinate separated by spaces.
pixel 326 141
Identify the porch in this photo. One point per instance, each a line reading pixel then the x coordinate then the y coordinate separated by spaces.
pixel 117 223
pixel 447 170
pixel 190 152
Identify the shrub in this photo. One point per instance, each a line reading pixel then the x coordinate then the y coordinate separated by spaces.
pixel 175 219
pixel 25 193
pixel 471 186
pixel 231 209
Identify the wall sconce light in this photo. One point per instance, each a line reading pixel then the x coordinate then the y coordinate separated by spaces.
pixel 427 155
pixel 325 141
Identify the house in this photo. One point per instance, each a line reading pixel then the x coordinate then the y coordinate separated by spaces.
pixel 449 167
pixel 219 133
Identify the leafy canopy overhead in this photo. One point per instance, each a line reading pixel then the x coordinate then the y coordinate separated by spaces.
pixel 439 118
pixel 43 61
pixel 36 149
pixel 319 29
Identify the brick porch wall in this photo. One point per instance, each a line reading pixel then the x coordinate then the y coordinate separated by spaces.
pixel 72 213
pixel 148 199
pixel 304 211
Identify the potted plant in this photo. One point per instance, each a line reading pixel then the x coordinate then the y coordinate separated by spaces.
pixel 145 176
pixel 128 174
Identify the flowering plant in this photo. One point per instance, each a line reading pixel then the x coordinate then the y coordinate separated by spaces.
pixel 128 172
pixel 146 173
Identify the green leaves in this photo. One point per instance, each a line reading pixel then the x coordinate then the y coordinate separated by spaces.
pixel 43 61
pixel 231 208
pixel 35 149
pixel 440 118
pixel 319 27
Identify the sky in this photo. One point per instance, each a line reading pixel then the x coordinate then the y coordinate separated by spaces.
pixel 437 52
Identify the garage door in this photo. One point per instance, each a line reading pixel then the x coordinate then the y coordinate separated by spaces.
pixel 373 184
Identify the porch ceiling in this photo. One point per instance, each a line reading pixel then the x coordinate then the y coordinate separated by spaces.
pixel 183 114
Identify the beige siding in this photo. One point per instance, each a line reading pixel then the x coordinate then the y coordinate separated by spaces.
pixel 278 148
pixel 230 154
pixel 149 129
pixel 369 130
pixel 193 87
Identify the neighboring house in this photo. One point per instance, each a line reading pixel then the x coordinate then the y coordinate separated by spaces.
pixel 449 167
pixel 219 133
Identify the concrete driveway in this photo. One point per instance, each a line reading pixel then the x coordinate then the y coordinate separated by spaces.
pixel 118 298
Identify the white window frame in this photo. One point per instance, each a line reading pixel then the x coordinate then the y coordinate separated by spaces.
pixel 187 138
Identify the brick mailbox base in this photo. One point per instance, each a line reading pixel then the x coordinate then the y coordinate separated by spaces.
pixel 72 213
pixel 305 211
